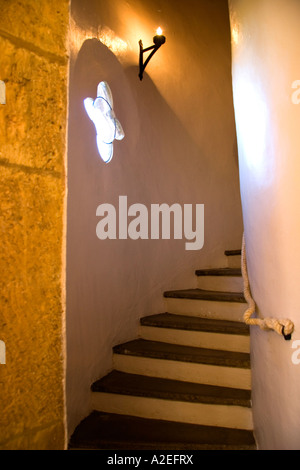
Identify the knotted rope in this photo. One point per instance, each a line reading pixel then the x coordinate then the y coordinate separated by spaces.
pixel 281 326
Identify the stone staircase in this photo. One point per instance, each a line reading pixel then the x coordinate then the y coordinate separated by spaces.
pixel 185 383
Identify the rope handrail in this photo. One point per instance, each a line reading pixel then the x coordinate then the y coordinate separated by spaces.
pixel 282 326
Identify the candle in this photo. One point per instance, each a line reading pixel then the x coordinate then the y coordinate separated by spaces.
pixel 159 39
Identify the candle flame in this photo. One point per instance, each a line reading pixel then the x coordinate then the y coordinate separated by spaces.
pixel 159 31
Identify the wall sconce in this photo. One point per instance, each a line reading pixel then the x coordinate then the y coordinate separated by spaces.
pixel 158 40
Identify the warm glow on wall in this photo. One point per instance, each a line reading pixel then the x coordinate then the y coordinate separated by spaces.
pixel 79 36
pixel 105 35
pixel 112 41
pixel 252 118
pixel 235 35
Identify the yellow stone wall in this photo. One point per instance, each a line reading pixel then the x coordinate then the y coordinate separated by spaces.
pixel 34 66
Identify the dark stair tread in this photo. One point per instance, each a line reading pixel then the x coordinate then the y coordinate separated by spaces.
pixel 219 272
pixel 174 352
pixel 233 252
pixel 184 322
pixel 201 294
pixel 119 432
pixel 123 383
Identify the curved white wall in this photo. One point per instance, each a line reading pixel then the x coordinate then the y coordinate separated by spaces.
pixel 179 147
pixel 265 45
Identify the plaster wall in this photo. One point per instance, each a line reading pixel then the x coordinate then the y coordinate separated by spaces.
pixel 265 37
pixel 179 147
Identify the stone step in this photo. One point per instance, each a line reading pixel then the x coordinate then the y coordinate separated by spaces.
pixel 195 331
pixel 200 294
pixel 177 362
pixel 206 304
pixel 222 279
pixel 219 272
pixel 122 383
pixel 234 258
pixel 233 252
pixel 100 431
pixel 157 398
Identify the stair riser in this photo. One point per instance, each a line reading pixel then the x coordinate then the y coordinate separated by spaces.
pixel 196 338
pixel 171 410
pixel 233 377
pixel 221 283
pixel 234 261
pixel 218 310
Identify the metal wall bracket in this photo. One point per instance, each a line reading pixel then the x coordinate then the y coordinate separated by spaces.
pixel 158 40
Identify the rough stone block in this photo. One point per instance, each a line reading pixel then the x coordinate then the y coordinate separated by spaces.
pixel 33 120
pixel 31 221
pixel 42 23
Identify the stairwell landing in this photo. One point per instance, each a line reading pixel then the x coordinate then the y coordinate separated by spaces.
pixel 185 382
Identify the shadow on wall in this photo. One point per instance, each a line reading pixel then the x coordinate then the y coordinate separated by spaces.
pixel 112 283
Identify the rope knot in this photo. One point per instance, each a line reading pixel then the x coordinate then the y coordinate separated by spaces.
pixel 283 327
